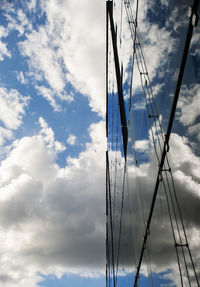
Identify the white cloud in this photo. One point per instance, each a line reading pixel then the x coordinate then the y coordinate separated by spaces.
pixel 183 158
pixel 71 139
pixel 189 104
pixel 5 134
pixel 161 41
pixel 20 77
pixel 12 107
pixel 195 50
pixel 48 136
pixel 185 168
pixel 42 56
pixel 51 219
pixel 180 12
pixel 195 130
pixel 157 43
pixel 17 19
pixel 3 46
pixel 3 32
pixel 4 51
pixel 142 145
pixel 44 59
pixel 61 52
pixel 50 95
pixel 32 5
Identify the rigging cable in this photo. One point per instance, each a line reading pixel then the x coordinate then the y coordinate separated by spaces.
pixel 168 140
pixel 121 215
pixel 140 192
pixel 186 49
pixel 110 215
pixel 165 170
pixel 141 200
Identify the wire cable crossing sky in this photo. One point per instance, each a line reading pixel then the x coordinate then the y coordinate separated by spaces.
pixel 141 182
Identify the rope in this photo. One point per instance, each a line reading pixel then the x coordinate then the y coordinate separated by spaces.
pixel 143 71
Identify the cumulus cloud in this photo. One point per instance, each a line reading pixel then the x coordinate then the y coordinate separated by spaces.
pixel 142 145
pixel 48 94
pixel 195 130
pixel 46 60
pixel 189 104
pixel 52 219
pixel 61 53
pixel 21 78
pixel 138 195
pixel 4 52
pixel 157 41
pixel 12 109
pixel 47 135
pixel 195 50
pixel 71 139
pixel 16 17
pixel 5 134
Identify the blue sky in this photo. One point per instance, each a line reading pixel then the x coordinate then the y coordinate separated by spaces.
pixel 72 280
pixel 52 143
pixel 52 136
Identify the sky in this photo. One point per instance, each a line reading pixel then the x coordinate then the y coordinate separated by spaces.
pixel 53 138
